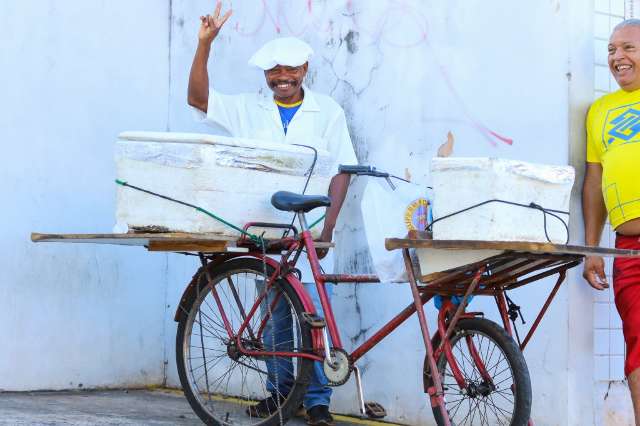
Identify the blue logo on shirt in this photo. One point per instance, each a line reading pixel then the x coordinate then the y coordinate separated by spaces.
pixel 626 126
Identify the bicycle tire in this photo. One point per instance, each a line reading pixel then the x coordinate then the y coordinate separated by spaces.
pixel 241 382
pixel 484 410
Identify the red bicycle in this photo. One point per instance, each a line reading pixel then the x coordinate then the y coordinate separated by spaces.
pixel 248 329
pixel 474 369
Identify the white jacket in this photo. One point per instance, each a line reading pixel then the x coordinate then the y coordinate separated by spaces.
pixel 320 122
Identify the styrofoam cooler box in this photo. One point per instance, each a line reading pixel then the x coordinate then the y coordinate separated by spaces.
pixel 459 183
pixel 230 177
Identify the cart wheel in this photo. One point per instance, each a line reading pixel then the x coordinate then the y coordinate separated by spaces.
pixel 220 382
pixel 506 400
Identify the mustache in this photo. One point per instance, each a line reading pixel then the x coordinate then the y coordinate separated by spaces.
pixel 276 82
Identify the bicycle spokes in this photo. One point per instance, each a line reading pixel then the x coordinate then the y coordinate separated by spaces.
pixel 484 376
pixel 226 376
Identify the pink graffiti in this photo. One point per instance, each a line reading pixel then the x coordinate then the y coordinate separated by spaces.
pixel 393 6
pixel 319 20
pixel 277 15
pixel 488 134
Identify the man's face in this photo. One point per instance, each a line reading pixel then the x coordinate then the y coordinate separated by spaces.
pixel 286 81
pixel 624 57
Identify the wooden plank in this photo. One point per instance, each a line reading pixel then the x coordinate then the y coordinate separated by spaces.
pixel 433 276
pixel 126 239
pixel 551 271
pixel 185 245
pixel 520 246
pixel 119 239
pixel 510 275
pixel 171 241
pixel 38 237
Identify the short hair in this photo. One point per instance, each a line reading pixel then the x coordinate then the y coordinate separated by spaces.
pixel 632 22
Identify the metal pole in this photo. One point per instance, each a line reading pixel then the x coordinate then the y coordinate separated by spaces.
pixel 424 328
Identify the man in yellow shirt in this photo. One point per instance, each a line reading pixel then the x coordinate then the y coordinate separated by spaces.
pixel 612 187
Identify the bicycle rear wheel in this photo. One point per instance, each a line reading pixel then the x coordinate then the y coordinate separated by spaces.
pixel 505 399
pixel 219 381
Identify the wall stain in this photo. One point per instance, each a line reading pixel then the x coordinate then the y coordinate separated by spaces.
pixel 361 334
pixel 351 39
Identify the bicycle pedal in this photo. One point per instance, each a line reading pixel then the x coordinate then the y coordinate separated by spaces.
pixel 374 410
pixel 313 320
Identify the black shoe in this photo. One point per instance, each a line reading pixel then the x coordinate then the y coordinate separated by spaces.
pixel 320 416
pixel 265 408
pixel 301 412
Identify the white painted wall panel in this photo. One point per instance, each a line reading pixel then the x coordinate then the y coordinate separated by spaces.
pixel 75 74
pixel 406 73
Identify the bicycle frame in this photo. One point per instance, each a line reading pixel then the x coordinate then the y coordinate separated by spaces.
pixel 296 245
pixel 305 241
pixel 448 317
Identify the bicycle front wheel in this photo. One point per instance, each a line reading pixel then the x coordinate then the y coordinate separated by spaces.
pixel 502 398
pixel 222 384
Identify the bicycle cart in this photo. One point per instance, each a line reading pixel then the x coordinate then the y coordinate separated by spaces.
pixel 249 331
pixel 230 346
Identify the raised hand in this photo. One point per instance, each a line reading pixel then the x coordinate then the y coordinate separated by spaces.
pixel 594 272
pixel 210 25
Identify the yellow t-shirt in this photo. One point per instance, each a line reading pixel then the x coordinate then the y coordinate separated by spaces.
pixel 613 140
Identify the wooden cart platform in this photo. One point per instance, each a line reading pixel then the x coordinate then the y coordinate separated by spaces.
pixel 519 263
pixel 168 241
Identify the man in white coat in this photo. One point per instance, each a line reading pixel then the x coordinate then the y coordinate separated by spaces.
pixel 291 114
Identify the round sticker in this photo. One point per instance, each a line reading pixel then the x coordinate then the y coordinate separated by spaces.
pixel 417 215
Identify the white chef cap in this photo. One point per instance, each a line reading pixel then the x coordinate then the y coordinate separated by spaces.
pixel 288 51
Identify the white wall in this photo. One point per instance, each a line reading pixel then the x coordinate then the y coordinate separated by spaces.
pixel 406 72
pixel 75 74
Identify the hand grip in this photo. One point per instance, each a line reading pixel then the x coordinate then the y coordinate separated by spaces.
pixel 352 170
pixel 361 170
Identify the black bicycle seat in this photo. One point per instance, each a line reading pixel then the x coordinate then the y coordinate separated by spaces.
pixel 291 202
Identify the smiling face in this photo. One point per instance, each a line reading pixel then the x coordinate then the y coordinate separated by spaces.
pixel 286 82
pixel 624 57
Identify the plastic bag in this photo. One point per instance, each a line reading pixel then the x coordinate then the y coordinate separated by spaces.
pixel 389 213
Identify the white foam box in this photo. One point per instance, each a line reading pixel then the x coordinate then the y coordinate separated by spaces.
pixel 459 183
pixel 232 178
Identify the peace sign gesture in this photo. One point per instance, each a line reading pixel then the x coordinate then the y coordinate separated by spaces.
pixel 210 25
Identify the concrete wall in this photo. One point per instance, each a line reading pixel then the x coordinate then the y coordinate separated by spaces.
pixel 407 73
pixel 500 77
pixel 580 408
pixel 73 76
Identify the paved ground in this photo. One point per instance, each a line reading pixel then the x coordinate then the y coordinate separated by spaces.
pixel 133 407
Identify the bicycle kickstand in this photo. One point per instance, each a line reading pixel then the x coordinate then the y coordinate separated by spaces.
pixel 369 409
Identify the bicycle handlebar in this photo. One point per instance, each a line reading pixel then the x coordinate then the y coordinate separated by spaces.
pixel 362 171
